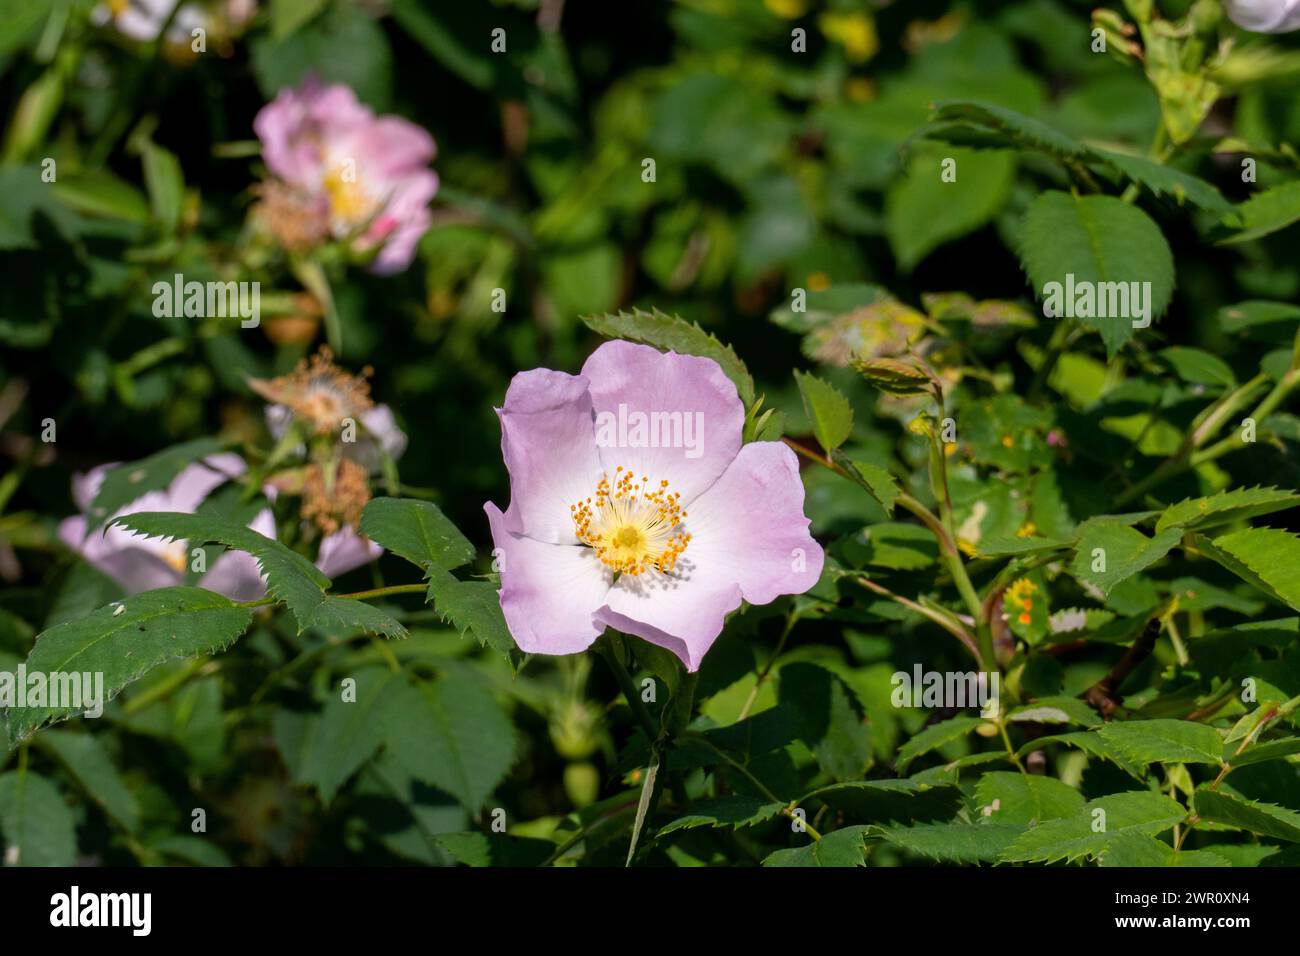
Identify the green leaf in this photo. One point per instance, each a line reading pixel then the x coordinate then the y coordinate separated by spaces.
pixel 1235 811
pixel 165 183
pixel 1265 557
pixel 288 15
pixel 349 731
pixel 1118 552
pixel 1226 507
pixel 100 193
pixel 734 811
pixel 417 531
pixel 495 849
pixel 923 210
pixel 829 720
pixel 934 737
pixel 1264 751
pixel 449 36
pixel 37 824
pixel 125 483
pixel 890 801
pixel 1165 741
pixel 1069 838
pixel 453 734
pixel 1198 366
pixel 1055 710
pixel 1025 800
pixel 1265 213
pixel 981 842
pixel 472 606
pixel 827 408
pixel 844 847
pixel 128 638
pixel 290 578
pixel 673 333
pixel 1090 743
pixel 1164 180
pixel 84 757
pixel 1000 126
pixel 1136 849
pixel 1097 239
pixel 876 480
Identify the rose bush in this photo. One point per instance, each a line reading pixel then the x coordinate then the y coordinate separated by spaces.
pixel 781 432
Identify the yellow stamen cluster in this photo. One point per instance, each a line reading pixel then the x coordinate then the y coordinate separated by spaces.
pixel 633 525
pixel 349 201
pixel 319 392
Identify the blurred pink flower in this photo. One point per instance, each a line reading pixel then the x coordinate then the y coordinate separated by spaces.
pixel 608 528
pixel 1264 16
pixel 139 564
pixel 367 176
pixel 143 20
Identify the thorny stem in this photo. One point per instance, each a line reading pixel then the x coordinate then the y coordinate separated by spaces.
pixel 355 595
pixel 952 626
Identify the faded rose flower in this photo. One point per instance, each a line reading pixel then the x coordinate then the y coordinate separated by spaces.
pixel 140 564
pixel 361 178
pixel 660 542
pixel 1264 16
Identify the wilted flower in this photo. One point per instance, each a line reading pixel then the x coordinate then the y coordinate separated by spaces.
pixel 614 525
pixel 138 563
pixel 344 172
pixel 1264 16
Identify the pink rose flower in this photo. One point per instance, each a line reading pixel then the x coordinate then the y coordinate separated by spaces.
pixel 1264 16
pixel 634 505
pixel 366 176
pixel 140 564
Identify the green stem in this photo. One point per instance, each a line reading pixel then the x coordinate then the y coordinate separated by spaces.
pixel 355 595
pixel 626 684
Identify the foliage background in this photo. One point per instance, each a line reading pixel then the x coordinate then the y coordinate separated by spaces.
pixel 774 171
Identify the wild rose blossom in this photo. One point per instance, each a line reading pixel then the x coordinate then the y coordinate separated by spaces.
pixel 1264 16
pixel 659 542
pixel 143 20
pixel 139 564
pixel 343 172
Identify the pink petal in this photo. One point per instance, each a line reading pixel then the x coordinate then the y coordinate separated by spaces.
pixel 344 551
pixel 686 401
pixel 749 539
pixel 550 451
pixel 235 573
pixel 548 591
pixel 195 482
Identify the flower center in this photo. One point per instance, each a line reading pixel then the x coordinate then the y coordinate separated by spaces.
pixel 349 202
pixel 632 525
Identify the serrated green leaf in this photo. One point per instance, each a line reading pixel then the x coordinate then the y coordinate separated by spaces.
pixel 981 842
pixel 127 482
pixel 1055 710
pixel 453 734
pixel 733 812
pixel 1119 551
pixel 1264 751
pixel 37 825
pixel 1090 743
pixel 1136 849
pixel 934 737
pixel 1264 213
pixel 1025 800
pixel 673 333
pixel 827 408
pixel 1226 507
pixel 895 376
pixel 1096 239
pixel 128 638
pixel 890 801
pixel 1265 557
pixel 1013 128
pixel 472 606
pixel 1069 838
pixel 1253 815
pixel 350 730
pixel 843 847
pixel 417 531
pixel 495 849
pixel 1165 741
pixel 1164 180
